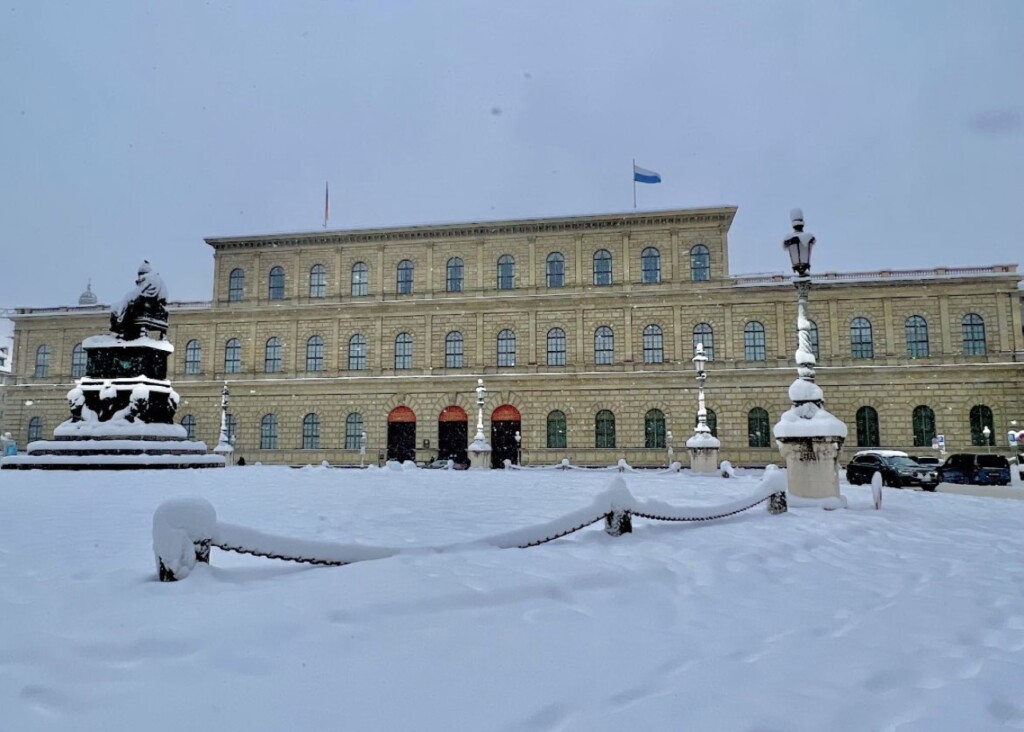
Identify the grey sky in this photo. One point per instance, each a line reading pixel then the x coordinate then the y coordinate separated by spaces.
pixel 132 129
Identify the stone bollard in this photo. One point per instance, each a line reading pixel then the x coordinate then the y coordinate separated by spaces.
pixel 182 532
pixel 777 504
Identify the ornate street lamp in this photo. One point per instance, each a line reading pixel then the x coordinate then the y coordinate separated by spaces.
pixel 224 446
pixel 988 433
pixel 668 446
pixel 479 451
pixel 809 437
pixel 703 446
pixel 362 448
pixel 519 448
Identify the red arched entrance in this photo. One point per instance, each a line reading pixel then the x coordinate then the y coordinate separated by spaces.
pixel 453 434
pixel 401 434
pixel 505 422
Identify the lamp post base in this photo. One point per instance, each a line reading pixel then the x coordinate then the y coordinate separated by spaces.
pixel 704 459
pixel 812 465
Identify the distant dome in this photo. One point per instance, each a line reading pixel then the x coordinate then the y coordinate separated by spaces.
pixel 87 297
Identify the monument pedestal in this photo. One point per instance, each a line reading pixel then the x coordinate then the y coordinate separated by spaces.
pixel 479 455
pixel 812 465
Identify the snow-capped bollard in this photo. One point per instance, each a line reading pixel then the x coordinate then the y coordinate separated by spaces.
pixel 182 531
pixel 876 489
pixel 618 522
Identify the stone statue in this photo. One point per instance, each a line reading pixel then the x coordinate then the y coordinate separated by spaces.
pixel 142 309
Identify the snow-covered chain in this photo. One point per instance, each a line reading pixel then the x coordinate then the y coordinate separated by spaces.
pixel 184 529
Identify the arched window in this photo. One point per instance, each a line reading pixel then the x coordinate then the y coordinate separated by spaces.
pixel 272 355
pixel 360 279
pixel 453 350
pixel 556 429
pixel 193 357
pixel 924 426
pixel 556 347
pixel 604 346
pixel 453 275
pixel 753 341
pixel 814 339
pixel 700 264
pixel 862 343
pixel 79 359
pixel 275 284
pixel 403 281
pixel 311 432
pixel 35 429
pixel 506 272
pixel 757 428
pixel 231 423
pixel 604 429
pixel 506 348
pixel 867 428
pixel 705 335
pixel 42 362
pixel 318 281
pixel 268 432
pixel 712 421
pixel 189 423
pixel 973 328
pixel 602 267
pixel 353 431
pixel 650 265
pixel 403 351
pixel 236 285
pixel 654 344
pixel 555 273
pixel 654 429
pixel 232 356
pixel 357 352
pixel 916 330
pixel 981 417
pixel 315 353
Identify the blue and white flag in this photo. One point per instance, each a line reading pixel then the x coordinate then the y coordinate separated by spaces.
pixel 642 175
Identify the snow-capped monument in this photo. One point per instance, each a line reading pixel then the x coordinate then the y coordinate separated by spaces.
pixel 122 410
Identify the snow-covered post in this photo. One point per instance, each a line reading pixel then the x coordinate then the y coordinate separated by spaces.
pixel 224 446
pixel 362 448
pixel 668 446
pixel 182 531
pixel 479 450
pixel 703 446
pixel 809 437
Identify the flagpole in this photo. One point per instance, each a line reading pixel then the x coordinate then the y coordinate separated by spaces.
pixel 633 174
pixel 327 202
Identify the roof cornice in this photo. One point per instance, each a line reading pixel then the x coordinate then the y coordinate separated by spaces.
pixel 719 217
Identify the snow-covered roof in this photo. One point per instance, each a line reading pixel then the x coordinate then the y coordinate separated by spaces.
pixel 173 306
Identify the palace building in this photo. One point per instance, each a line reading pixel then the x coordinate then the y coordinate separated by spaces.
pixel 583 329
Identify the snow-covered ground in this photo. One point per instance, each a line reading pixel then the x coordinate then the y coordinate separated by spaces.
pixel 908 618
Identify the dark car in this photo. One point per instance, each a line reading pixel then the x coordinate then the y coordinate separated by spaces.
pixel 897 470
pixel 975 469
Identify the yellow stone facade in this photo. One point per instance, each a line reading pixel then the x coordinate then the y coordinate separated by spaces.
pixel 674 297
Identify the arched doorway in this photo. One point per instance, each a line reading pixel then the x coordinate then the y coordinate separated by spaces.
pixel 401 434
pixel 452 434
pixel 505 422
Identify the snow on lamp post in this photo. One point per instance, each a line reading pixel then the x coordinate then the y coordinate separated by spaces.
pixel 987 433
pixel 362 448
pixel 224 446
pixel 703 446
pixel 479 451
pixel 519 448
pixel 668 446
pixel 809 437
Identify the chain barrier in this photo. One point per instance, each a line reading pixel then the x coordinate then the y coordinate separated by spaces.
pixel 272 555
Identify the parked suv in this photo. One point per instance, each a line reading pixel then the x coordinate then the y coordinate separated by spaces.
pixel 897 469
pixel 976 469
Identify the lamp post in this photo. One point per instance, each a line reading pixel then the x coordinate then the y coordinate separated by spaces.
pixel 987 433
pixel 519 448
pixel 224 446
pixel 809 437
pixel 668 446
pixel 703 446
pixel 479 451
pixel 362 448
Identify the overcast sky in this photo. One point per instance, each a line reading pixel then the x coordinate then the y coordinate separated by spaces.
pixel 133 129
